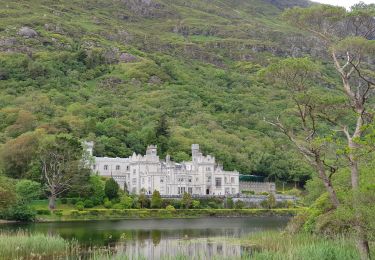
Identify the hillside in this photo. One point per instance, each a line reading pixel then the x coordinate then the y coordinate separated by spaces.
pixel 127 73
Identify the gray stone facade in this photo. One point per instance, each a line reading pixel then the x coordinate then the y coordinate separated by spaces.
pixel 201 176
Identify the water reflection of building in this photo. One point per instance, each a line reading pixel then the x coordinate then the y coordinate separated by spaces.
pixel 201 176
pixel 169 248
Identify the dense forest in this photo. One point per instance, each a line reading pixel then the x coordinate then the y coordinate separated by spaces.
pixel 127 74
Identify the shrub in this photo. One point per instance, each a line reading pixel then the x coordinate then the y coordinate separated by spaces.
pixel 293 192
pixel 43 212
pixel 117 206
pixel 229 204
pixel 21 212
pixel 176 204
pixel 156 200
pixel 73 201
pixel 80 205
pixel 88 203
pixel 126 202
pixel 170 208
pixel 186 200
pixel 111 188
pixel 64 200
pixel 58 212
pixel 28 190
pixel 196 204
pixel 213 205
pixel 107 204
pixel 97 187
pixel 239 204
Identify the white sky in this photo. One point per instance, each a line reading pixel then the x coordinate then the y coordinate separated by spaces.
pixel 345 3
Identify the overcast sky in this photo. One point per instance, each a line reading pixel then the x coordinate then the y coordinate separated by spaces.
pixel 345 3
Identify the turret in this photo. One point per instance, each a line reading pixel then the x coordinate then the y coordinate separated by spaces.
pixel 194 149
pixel 89 147
pixel 152 150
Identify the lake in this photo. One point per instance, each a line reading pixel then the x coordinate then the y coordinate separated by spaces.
pixel 198 238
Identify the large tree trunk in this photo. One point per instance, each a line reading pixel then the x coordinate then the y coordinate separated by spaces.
pixel 327 183
pixel 52 201
pixel 362 240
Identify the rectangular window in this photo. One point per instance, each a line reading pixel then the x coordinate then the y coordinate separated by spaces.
pixel 190 179
pixel 218 182
pixel 227 190
pixel 105 167
pixel 134 181
pixel 190 190
pixel 143 180
pixel 161 180
pixel 233 190
pixel 183 190
pixel 117 167
pixel 232 180
pixel 178 190
pixel 134 171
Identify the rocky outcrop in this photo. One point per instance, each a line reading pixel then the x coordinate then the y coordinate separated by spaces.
pixel 127 57
pixel 27 32
pixel 155 80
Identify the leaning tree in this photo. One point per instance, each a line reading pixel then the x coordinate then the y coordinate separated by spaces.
pixel 348 38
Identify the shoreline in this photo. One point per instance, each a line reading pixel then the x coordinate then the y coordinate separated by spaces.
pixel 115 214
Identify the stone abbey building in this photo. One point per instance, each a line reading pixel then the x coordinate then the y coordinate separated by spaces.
pixel 201 176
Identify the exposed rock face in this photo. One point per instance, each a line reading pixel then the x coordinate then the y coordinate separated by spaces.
pixel 155 80
pixel 27 32
pixel 147 8
pixel 7 42
pixel 127 57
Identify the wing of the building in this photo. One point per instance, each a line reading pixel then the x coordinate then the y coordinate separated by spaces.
pixel 146 173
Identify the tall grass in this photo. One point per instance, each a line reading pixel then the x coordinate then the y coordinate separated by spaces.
pixel 21 245
pixel 275 246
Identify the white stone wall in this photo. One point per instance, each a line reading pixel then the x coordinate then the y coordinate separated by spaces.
pixel 201 176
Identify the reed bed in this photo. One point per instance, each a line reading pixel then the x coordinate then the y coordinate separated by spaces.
pixel 23 245
pixel 276 245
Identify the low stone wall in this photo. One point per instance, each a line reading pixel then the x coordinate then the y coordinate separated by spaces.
pixel 257 199
pixel 258 187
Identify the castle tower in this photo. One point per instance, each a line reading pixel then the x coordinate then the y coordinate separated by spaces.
pixel 152 150
pixel 89 147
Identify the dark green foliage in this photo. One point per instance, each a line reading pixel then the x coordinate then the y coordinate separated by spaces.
pixel 28 190
pixel 239 204
pixel 156 201
pixel 80 205
pixel 111 189
pixel 229 204
pixel 186 200
pixel 88 204
pixel 21 211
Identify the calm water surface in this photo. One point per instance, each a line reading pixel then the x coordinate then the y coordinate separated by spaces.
pixel 202 238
